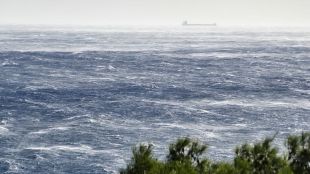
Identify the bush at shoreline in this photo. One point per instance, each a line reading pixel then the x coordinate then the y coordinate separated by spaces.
pixel 186 156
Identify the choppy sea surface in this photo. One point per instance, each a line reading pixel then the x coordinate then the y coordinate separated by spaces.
pixel 75 100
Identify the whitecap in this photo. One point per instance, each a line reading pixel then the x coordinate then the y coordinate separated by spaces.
pixel 8 63
pixel 3 130
pixel 287 103
pixel 110 67
pixel 70 148
pixel 45 131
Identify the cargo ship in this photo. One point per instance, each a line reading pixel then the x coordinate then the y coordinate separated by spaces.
pixel 185 23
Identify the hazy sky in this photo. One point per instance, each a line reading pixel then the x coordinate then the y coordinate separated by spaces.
pixel 136 12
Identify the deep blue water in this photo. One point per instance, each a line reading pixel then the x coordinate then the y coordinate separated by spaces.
pixel 76 100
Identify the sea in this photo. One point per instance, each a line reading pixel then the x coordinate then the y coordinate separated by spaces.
pixel 76 99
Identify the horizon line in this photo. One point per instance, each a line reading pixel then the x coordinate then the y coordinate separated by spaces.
pixel 151 25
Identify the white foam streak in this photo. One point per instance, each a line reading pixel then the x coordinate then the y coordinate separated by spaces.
pixel 69 148
pixel 4 130
pixel 46 131
pixel 305 104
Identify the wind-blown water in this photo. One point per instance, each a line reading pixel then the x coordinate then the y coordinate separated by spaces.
pixel 76 100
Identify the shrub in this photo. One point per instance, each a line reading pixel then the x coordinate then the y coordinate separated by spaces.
pixel 142 161
pixel 299 153
pixel 186 156
pixel 260 158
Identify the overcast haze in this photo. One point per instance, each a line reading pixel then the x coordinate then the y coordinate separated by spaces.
pixel 156 12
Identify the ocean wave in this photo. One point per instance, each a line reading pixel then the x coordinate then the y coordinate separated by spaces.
pixel 286 103
pixel 53 129
pixel 76 149
pixel 4 130
pixel 78 101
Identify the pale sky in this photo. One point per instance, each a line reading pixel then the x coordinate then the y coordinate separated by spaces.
pixel 156 12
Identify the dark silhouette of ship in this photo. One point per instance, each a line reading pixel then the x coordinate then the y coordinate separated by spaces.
pixel 185 23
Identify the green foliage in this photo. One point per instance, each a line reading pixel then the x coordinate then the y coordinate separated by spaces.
pixel 187 156
pixel 299 153
pixel 185 150
pixel 142 161
pixel 286 170
pixel 259 158
pixel 178 167
pixel 223 168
